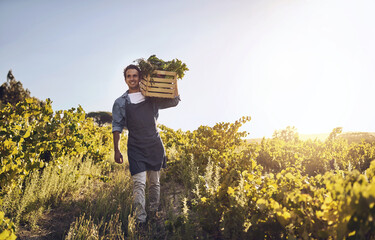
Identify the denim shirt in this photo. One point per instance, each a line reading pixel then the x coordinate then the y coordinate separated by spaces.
pixel 119 113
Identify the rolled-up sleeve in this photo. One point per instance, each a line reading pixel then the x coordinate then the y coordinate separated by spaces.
pixel 163 103
pixel 118 120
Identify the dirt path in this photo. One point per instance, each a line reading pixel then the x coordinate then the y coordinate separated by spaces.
pixel 52 225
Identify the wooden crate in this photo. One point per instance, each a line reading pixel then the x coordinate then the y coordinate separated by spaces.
pixel 161 84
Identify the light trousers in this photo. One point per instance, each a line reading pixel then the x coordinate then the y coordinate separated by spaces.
pixel 139 201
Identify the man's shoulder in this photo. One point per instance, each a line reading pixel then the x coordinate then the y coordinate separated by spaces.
pixel 121 100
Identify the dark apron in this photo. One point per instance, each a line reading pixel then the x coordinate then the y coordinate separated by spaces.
pixel 145 148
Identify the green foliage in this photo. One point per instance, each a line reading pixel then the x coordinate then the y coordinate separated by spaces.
pixel 282 188
pixel 153 63
pixel 315 157
pixel 360 155
pixel 288 134
pixel 217 143
pixel 358 137
pixel 334 134
pixel 195 148
pixel 31 129
pixel 7 228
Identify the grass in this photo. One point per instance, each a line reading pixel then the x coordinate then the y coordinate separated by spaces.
pixel 71 202
pixel 86 228
pixel 82 199
pixel 46 189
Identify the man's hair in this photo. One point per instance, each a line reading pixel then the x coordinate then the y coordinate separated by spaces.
pixel 132 66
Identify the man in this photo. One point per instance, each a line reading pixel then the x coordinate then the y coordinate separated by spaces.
pixel 146 154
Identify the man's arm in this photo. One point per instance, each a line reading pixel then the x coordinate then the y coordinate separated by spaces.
pixel 118 123
pixel 163 103
pixel 116 140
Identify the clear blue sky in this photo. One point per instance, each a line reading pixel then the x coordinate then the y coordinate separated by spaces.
pixel 308 64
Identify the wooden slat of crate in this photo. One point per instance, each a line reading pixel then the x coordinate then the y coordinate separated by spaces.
pixel 160 95
pixel 161 90
pixel 142 86
pixel 161 85
pixel 164 80
pixel 174 74
pixel 153 91
pixel 158 86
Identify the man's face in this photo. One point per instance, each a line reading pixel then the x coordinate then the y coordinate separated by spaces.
pixel 132 79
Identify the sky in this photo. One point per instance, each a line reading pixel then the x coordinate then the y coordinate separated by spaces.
pixel 303 63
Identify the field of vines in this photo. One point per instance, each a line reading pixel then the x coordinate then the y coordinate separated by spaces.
pixel 58 180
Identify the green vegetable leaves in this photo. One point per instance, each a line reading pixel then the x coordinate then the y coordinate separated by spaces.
pixel 153 63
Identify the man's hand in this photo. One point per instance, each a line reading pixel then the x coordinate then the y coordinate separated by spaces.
pixel 118 157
